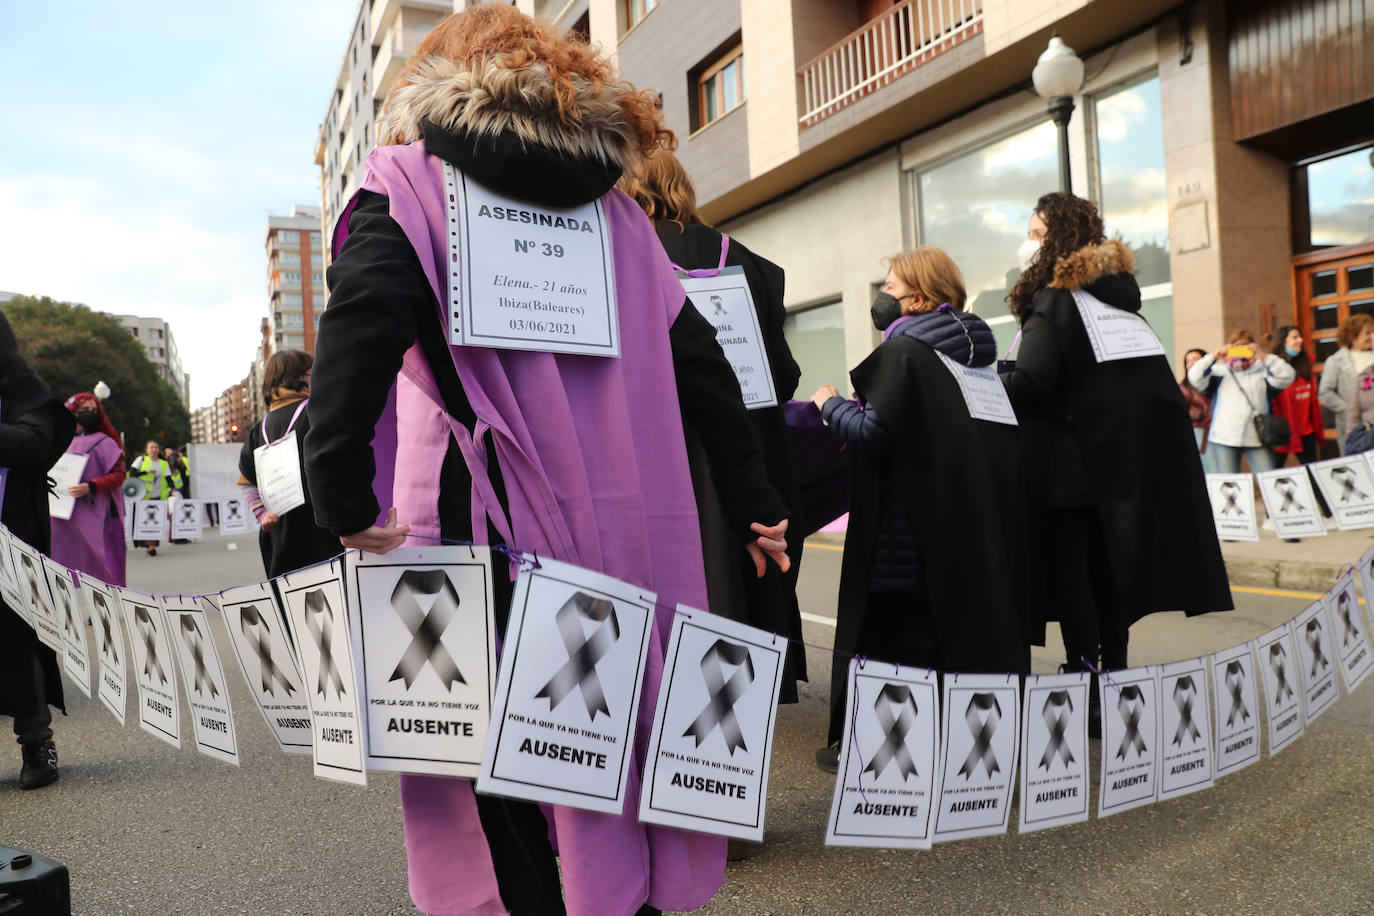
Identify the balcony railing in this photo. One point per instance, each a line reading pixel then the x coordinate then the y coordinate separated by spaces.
pixel 895 43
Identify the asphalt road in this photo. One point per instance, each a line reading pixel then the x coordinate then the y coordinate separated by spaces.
pixel 147 828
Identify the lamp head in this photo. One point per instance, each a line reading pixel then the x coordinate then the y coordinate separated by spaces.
pixel 1058 72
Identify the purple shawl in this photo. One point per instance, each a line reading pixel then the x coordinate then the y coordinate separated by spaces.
pixel 93 539
pixel 592 455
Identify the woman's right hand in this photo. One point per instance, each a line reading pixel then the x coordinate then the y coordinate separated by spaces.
pixel 269 521
pixel 823 394
pixel 1220 354
pixel 379 539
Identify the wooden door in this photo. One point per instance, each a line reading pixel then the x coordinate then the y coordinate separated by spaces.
pixel 1328 287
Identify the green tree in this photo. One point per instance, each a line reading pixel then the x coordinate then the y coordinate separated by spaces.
pixel 72 348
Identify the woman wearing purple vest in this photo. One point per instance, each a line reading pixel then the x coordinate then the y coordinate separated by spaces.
pixel 581 458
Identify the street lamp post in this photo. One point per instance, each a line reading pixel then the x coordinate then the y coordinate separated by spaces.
pixel 1058 75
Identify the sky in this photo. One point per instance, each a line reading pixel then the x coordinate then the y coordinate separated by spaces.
pixel 143 146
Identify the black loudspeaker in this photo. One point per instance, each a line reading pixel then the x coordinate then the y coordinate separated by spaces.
pixel 33 885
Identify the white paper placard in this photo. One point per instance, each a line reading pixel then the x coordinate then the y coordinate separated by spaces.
pixel 1054 742
pixel 1233 506
pixel 983 391
pixel 129 519
pixel 1348 486
pixel 885 788
pixel 150 520
pixel 316 612
pixel 212 719
pixel 712 739
pixel 425 638
pixel 1366 570
pixel 1237 709
pixel 1278 664
pixel 257 631
pixel 103 608
pixel 567 695
pixel 159 711
pixel 65 473
pixel 1348 633
pixel 234 517
pixel 980 739
pixel 1114 333
pixel 33 587
pixel 278 466
pixel 9 578
pixel 727 303
pixel 1130 740
pixel 187 519
pixel 1185 734
pixel 1291 503
pixel 1317 643
pixel 543 277
pixel 76 655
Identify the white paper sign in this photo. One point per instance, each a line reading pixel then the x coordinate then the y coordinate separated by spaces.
pixel 1291 503
pixel 1054 742
pixel 278 467
pixel 1237 709
pixel 257 631
pixel 159 711
pixel 1185 734
pixel 425 636
pixel 234 517
pixel 1233 506
pixel 1366 569
pixel 103 608
pixel 885 788
pixel 65 473
pixel 1348 487
pixel 712 739
pixel 1130 740
pixel 316 612
pixel 206 689
pixel 979 747
pixel 529 277
pixel 1317 643
pixel 76 655
pixel 129 519
pixel 983 391
pixel 1348 633
pixel 150 520
pixel 9 578
pixel 572 669
pixel 37 597
pixel 726 302
pixel 1114 333
pixel 186 519
pixel 1278 663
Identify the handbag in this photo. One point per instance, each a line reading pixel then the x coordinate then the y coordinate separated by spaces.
pixel 1273 431
pixel 1359 439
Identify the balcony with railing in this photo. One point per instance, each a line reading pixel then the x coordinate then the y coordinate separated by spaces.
pixel 394 48
pixel 886 48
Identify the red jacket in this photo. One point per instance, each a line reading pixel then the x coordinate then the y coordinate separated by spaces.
pixel 1298 405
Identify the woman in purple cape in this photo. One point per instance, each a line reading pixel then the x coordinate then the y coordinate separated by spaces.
pixel 92 540
pixel 580 458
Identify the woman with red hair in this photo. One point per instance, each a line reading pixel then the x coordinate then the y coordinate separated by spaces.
pixel 92 540
pixel 573 456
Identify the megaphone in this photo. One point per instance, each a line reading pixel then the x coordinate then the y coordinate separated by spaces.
pixel 134 488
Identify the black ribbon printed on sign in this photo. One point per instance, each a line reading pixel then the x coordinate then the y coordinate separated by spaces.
pixel 195 641
pixel 896 710
pixel 109 646
pixel 1287 488
pixel 1057 712
pixel 426 627
pixel 1278 660
pixel 255 629
pixel 64 598
pixel 723 693
pixel 584 651
pixel 1314 642
pixel 1131 706
pixel 982 714
pixel 319 620
pixel 1185 694
pixel 1350 492
pixel 1351 632
pixel 1235 685
pixel 152 664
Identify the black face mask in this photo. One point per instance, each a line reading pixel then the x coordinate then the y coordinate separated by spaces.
pixel 886 309
pixel 88 419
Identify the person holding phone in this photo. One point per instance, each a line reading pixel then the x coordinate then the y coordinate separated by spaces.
pixel 1245 375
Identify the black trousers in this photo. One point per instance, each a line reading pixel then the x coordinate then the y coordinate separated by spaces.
pixel 898 629
pixel 1080 588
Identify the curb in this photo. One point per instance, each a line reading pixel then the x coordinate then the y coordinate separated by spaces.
pixel 1283 574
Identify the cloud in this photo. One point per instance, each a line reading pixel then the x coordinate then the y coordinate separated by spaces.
pixel 1118 113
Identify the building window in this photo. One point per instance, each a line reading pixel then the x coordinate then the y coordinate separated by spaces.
pixel 291 278
pixel 314 240
pixel 720 87
pixel 289 260
pixel 317 300
pixel 1133 193
pixel 815 335
pixel 157 332
pixel 638 9
pixel 316 260
pixel 293 320
pixel 1336 197
pixel 291 300
pixel 133 331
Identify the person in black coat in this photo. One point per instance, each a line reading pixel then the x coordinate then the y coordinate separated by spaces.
pixel 932 574
pixel 1121 523
pixel 35 429
pixel 292 540
pixel 664 190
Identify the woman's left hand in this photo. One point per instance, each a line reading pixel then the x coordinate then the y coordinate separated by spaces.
pixel 80 490
pixel 823 394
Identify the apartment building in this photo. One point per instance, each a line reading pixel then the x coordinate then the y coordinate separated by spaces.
pixel 156 337
pixel 203 424
pixel 231 415
pixel 295 278
pixel 1228 141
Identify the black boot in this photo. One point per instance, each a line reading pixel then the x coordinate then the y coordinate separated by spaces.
pixel 40 765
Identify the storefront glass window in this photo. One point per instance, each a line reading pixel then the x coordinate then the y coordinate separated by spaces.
pixel 1130 149
pixel 816 338
pixel 1340 195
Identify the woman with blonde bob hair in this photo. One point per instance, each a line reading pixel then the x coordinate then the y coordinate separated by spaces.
pixel 571 456
pixel 931 576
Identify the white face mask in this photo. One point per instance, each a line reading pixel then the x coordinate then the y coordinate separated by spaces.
pixel 1025 255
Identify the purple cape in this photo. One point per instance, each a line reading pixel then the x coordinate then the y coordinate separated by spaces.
pixel 93 539
pixel 592 454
